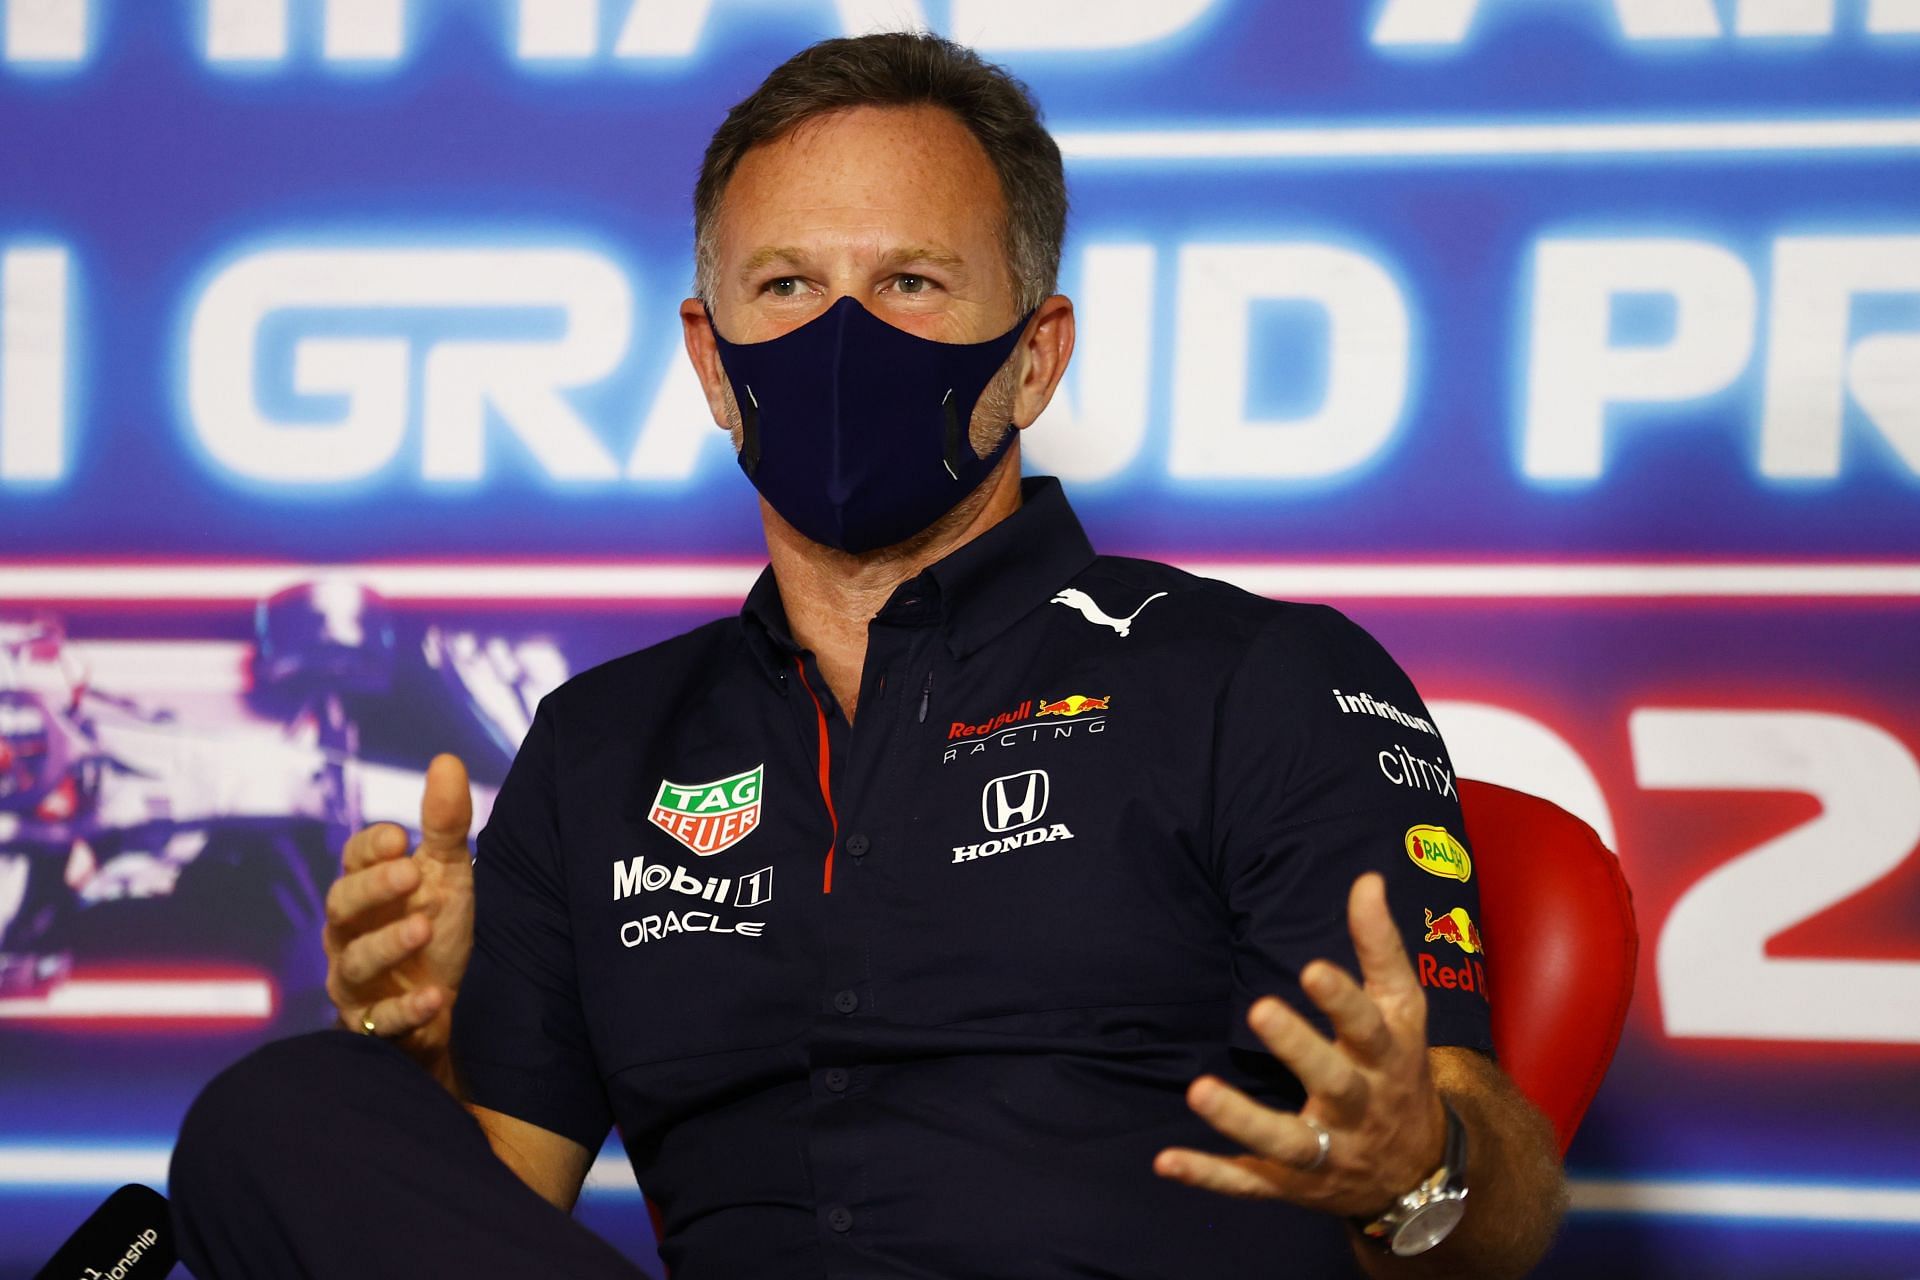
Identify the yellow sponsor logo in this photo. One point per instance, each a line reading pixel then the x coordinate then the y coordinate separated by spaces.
pixel 1436 852
pixel 1074 705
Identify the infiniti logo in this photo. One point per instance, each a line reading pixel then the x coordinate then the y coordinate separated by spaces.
pixel 1017 800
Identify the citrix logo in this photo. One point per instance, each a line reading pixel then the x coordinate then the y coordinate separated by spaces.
pixel 1402 767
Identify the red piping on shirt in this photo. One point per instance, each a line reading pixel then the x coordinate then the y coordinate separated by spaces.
pixel 826 774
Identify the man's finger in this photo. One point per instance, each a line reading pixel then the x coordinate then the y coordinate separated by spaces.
pixel 1237 1176
pixel 1276 1135
pixel 446 810
pixel 380 885
pixel 1383 956
pixel 1326 1071
pixel 378 843
pixel 372 954
pixel 397 1015
pixel 1357 1021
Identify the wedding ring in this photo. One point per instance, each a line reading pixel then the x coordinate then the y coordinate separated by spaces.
pixel 1326 1145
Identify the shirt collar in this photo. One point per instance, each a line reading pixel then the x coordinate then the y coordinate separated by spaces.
pixel 977 592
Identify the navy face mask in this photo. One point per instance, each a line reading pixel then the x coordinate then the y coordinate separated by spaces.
pixel 855 431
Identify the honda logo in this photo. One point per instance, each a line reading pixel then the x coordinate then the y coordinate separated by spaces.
pixel 1017 800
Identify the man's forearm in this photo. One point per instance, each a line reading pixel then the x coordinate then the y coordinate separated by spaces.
pixel 1516 1192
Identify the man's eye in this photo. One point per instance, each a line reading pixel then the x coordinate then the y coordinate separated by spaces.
pixel 912 284
pixel 784 287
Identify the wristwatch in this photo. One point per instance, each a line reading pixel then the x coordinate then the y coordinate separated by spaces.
pixel 1424 1216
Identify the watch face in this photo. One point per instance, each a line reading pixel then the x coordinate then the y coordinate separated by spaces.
pixel 1428 1225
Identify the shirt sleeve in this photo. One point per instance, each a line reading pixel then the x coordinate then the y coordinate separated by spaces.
pixel 519 1033
pixel 1328 766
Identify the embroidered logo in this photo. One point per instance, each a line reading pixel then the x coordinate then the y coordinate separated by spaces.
pixel 1013 806
pixel 708 817
pixel 1017 800
pixel 1436 852
pixel 1074 598
pixel 1074 705
pixel 1457 927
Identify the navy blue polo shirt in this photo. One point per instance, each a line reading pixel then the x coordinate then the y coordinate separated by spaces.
pixel 920 995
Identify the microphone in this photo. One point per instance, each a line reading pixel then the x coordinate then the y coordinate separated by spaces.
pixel 129 1237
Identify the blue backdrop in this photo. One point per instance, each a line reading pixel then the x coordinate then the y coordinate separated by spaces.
pixel 1573 348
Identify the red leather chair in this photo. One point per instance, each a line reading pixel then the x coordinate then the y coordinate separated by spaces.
pixel 1561 945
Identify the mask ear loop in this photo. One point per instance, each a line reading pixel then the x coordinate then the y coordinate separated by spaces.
pixel 750 432
pixel 953 434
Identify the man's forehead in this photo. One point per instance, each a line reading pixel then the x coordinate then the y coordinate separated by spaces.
pixel 875 151
pixel 917 121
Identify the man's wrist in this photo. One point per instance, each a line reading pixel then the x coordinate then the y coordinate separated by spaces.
pixel 1421 1218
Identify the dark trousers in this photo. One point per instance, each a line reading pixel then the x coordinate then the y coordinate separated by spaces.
pixel 332 1155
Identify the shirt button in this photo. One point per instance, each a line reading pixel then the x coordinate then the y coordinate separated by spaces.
pixel 840 1218
pixel 858 845
pixel 836 1079
pixel 846 1001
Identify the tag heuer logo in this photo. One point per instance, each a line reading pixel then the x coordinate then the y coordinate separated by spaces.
pixel 708 817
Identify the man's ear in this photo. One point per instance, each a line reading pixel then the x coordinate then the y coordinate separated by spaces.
pixel 1044 350
pixel 697 331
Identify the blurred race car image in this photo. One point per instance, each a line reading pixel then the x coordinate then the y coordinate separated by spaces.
pixel 180 805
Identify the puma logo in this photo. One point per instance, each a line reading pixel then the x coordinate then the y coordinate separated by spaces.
pixel 1074 598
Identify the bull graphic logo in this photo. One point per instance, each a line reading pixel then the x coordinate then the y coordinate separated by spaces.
pixel 1074 598
pixel 1017 800
pixel 1073 706
pixel 1457 927
pixel 708 817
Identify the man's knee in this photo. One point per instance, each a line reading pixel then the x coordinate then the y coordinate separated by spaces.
pixel 259 1107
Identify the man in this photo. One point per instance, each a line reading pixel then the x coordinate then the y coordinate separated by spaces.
pixel 929 917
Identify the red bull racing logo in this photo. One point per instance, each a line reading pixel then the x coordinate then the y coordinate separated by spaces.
pixel 1457 927
pixel 1436 852
pixel 1470 975
pixel 708 817
pixel 1013 715
pixel 1074 705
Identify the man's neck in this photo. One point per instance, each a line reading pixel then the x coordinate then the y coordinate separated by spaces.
pixel 830 595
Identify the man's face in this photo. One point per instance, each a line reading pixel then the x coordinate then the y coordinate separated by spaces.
pixel 896 207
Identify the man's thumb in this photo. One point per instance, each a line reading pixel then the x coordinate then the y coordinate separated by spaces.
pixel 446 808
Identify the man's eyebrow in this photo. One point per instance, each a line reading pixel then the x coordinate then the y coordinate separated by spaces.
pixel 770 254
pixel 923 254
pixel 919 255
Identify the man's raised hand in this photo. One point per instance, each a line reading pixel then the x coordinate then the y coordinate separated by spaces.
pixel 400 929
pixel 1369 1089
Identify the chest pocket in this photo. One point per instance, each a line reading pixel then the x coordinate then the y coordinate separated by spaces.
pixel 692 928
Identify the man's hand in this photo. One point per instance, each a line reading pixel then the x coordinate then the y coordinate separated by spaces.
pixel 400 929
pixel 1370 1089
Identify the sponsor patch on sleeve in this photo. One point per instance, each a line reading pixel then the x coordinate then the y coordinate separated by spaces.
pixel 1435 851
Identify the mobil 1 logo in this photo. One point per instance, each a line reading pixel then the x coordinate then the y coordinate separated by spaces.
pixel 635 877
